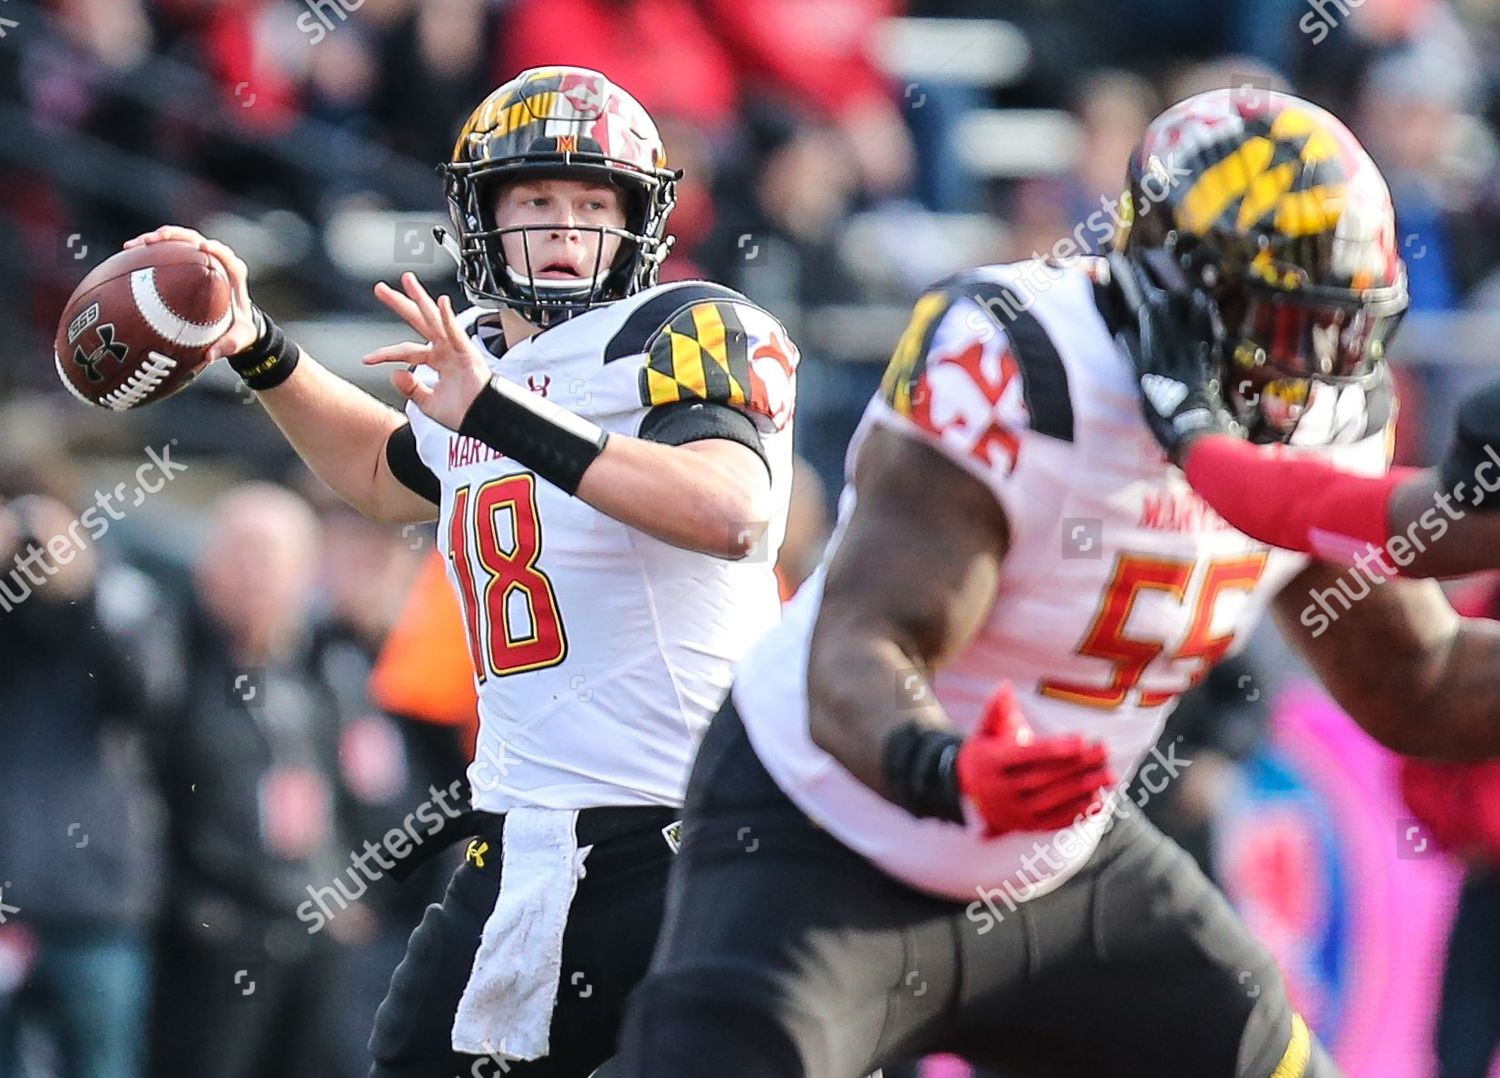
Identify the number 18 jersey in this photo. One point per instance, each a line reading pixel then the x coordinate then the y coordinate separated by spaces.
pixel 600 652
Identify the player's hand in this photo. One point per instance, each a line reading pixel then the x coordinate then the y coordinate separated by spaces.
pixel 242 331
pixel 1019 782
pixel 1171 346
pixel 461 369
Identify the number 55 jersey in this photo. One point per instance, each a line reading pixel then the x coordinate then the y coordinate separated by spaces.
pixel 1120 590
pixel 600 652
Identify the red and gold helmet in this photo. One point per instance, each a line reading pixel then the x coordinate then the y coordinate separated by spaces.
pixel 1269 205
pixel 567 122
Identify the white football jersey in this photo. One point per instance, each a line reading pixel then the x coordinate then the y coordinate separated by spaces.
pixel 1120 590
pixel 600 653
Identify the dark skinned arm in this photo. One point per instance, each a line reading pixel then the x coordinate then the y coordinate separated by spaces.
pixel 909 585
pixel 1416 677
pixel 1468 544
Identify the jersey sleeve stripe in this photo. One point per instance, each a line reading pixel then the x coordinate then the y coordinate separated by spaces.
pixel 910 356
pixel 736 356
pixel 1044 379
pixel 687 363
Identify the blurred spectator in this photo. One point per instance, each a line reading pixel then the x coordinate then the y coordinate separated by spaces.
pixel 423 671
pixel 386 766
pixel 820 57
pixel 664 50
pixel 776 240
pixel 1460 805
pixel 435 67
pixel 1414 117
pixel 250 769
pixel 807 530
pixel 83 664
pixel 1113 110
pixel 1218 725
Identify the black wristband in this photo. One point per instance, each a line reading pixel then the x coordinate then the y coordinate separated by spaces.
pixel 550 440
pixel 1474 446
pixel 270 360
pixel 920 765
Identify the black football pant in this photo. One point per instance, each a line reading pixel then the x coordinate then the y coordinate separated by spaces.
pixel 785 954
pixel 612 927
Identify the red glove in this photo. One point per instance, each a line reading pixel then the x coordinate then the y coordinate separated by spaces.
pixel 1020 782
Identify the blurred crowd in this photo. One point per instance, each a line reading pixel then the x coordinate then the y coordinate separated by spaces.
pixel 215 708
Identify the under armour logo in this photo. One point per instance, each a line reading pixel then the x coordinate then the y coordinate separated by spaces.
pixel 538 386
pixel 476 851
pixel 107 346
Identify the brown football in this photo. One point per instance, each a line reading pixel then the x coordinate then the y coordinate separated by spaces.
pixel 140 324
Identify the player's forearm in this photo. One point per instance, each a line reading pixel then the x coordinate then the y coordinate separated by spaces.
pixel 1300 503
pixel 861 687
pixel 339 431
pixel 1461 718
pixel 1414 675
pixel 713 498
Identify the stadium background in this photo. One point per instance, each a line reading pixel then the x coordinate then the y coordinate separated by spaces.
pixel 839 155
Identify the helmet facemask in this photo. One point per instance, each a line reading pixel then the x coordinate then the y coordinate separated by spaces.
pixel 492 279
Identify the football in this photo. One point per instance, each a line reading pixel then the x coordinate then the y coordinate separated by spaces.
pixel 138 327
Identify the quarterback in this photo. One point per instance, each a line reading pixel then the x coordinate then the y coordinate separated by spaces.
pixel 1021 586
pixel 601 454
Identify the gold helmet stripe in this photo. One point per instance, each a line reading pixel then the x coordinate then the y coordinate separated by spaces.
pixel 1223 182
pixel 1264 192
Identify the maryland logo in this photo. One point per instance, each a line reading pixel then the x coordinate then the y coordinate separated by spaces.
pixel 1252 185
pixel 704 354
pixel 108 346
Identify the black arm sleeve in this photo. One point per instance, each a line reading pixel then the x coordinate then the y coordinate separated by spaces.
pixel 1474 444
pixel 693 421
pixel 407 466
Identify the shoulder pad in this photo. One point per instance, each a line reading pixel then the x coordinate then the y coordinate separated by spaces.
pixel 648 319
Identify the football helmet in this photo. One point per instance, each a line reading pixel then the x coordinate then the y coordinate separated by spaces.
pixel 572 123
pixel 1267 206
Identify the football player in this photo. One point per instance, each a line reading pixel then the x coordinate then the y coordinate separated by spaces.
pixel 883 856
pixel 1428 522
pixel 601 453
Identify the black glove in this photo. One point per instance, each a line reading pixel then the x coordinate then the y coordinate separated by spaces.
pixel 1169 336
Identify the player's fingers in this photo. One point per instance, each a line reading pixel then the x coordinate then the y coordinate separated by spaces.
pixel 165 233
pixel 1063 818
pixel 234 265
pixel 407 352
pixel 1072 796
pixel 451 331
pixel 1002 714
pixel 1036 780
pixel 404 308
pixel 410 387
pixel 1053 751
pixel 419 296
